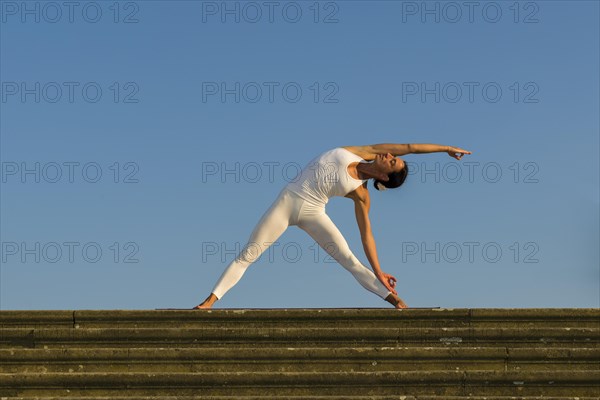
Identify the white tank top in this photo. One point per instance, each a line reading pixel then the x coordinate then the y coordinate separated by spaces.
pixel 326 176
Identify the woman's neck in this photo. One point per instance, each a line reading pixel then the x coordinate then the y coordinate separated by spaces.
pixel 365 170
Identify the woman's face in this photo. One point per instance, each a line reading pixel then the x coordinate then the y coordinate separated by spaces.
pixel 387 163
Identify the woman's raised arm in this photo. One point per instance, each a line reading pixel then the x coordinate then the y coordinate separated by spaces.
pixel 399 149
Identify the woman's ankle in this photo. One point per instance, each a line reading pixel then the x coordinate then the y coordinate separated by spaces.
pixel 211 299
pixel 392 299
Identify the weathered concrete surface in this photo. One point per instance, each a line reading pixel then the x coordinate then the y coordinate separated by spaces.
pixel 496 354
pixel 332 397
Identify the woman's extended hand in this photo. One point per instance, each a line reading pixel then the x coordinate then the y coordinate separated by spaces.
pixel 457 152
pixel 388 281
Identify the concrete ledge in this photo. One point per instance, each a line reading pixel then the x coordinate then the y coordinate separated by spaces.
pixel 35 318
pixel 8 317
pixel 554 383
pixel 308 397
pixel 317 353
pixel 317 360
pixel 157 336
pixel 418 354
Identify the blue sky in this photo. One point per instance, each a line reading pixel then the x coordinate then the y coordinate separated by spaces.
pixel 142 141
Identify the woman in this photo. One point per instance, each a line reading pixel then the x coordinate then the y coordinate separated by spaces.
pixel 342 171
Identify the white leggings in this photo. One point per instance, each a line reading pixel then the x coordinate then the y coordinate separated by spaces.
pixel 291 209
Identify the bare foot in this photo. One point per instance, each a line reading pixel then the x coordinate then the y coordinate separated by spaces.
pixel 395 301
pixel 202 306
pixel 206 304
pixel 400 303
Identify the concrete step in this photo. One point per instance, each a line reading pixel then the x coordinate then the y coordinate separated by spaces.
pixel 299 359
pixel 517 318
pixel 308 397
pixel 453 383
pixel 308 353
pixel 325 336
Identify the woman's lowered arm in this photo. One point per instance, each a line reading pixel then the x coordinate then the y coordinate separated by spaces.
pixel 361 208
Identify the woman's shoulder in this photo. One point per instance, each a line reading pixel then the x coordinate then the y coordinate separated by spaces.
pixel 360 151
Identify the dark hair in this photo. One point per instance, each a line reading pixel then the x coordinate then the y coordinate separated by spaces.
pixel 395 179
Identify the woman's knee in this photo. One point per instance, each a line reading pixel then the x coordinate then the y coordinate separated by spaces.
pixel 345 257
pixel 250 253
